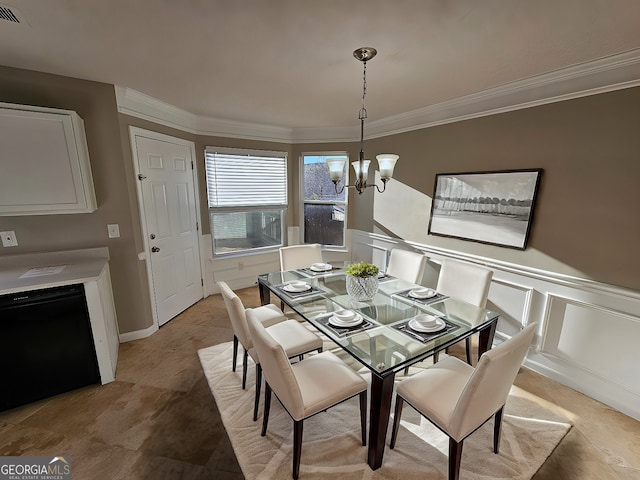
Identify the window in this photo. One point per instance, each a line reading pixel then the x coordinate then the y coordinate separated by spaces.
pixel 324 211
pixel 247 197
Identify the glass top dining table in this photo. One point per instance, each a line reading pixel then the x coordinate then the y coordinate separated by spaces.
pixel 383 341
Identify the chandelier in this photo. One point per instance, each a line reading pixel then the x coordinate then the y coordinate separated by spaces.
pixel 386 161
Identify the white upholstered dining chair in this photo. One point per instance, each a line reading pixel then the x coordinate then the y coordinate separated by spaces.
pixel 406 265
pixel 466 282
pixel 300 256
pixel 305 388
pixel 295 338
pixel 458 398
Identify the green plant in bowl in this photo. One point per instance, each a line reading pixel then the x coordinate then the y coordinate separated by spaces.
pixel 362 269
pixel 361 281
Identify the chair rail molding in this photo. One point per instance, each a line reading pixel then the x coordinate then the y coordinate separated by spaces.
pixel 587 329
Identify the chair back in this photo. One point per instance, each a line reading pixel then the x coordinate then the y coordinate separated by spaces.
pixel 237 315
pixel 487 389
pixel 465 281
pixel 406 265
pixel 276 367
pixel 300 256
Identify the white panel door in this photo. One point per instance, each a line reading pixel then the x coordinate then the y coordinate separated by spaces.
pixel 169 214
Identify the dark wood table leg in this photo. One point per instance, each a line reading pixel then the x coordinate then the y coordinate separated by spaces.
pixel 265 293
pixel 486 338
pixel 380 408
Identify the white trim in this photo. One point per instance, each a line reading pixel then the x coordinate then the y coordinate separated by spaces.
pixel 137 104
pixel 606 74
pixel 551 298
pixel 544 275
pixel 528 297
pixel 140 132
pixel 138 334
pixel 602 389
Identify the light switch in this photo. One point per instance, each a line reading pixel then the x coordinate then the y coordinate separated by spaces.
pixel 9 239
pixel 114 230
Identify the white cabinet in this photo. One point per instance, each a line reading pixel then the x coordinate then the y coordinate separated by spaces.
pixel 44 162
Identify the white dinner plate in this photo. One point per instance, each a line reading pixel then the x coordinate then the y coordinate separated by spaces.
pixel 357 320
pixel 321 268
pixel 428 294
pixel 291 289
pixel 414 325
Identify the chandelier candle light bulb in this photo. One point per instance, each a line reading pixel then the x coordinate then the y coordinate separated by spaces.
pixel 365 169
pixel 336 168
pixel 386 164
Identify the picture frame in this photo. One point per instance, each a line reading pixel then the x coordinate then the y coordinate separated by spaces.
pixel 494 207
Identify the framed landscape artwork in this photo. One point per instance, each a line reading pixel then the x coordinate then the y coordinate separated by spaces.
pixel 487 207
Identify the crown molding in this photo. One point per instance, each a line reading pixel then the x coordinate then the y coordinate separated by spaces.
pixel 137 104
pixel 607 74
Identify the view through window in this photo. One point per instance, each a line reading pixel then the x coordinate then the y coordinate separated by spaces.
pixel 247 199
pixel 324 211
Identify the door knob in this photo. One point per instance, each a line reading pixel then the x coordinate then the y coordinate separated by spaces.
pixel 152 236
pixel 155 249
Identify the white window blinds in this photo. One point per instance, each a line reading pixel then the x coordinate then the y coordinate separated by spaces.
pixel 238 178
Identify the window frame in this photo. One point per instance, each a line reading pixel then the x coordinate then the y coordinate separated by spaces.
pixel 302 202
pixel 283 208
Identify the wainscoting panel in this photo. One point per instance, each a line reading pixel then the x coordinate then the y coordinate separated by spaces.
pixel 599 340
pixel 513 301
pixel 242 271
pixel 380 257
pixel 587 331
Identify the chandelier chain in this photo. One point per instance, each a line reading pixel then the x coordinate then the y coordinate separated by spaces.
pixel 363 111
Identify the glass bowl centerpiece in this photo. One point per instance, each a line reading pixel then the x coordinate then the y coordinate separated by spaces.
pixel 361 281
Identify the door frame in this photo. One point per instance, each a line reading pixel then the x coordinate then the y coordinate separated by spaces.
pixel 141 132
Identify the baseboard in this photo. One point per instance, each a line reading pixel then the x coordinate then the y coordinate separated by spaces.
pixel 138 334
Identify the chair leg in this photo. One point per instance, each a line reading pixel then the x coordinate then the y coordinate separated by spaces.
pixel 455 456
pixel 467 342
pixel 267 407
pixel 245 360
pixel 497 429
pixel 235 353
pixel 363 417
pixel 396 420
pixel 258 386
pixel 297 447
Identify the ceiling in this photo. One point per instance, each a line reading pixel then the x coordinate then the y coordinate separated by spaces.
pixel 289 63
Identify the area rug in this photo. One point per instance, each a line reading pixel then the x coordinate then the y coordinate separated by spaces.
pixel 331 446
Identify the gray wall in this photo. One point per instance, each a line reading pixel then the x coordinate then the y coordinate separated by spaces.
pixel 587 218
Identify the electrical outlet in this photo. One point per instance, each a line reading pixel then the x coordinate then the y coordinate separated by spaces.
pixel 9 239
pixel 114 230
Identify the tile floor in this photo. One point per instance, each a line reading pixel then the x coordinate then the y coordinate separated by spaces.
pixel 158 420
